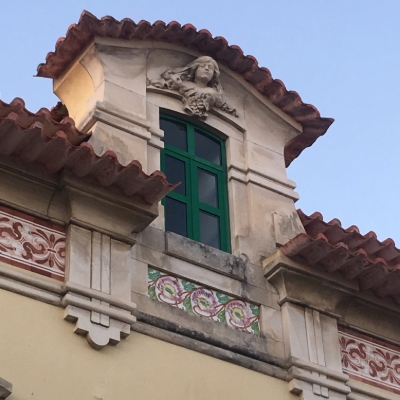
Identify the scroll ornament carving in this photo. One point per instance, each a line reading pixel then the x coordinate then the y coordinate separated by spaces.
pixel 199 85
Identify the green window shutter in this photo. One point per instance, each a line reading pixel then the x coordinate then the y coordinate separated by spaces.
pixel 198 208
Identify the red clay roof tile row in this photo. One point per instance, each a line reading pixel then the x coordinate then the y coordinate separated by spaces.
pixel 326 245
pixel 351 237
pixel 80 35
pixel 35 139
pixel 42 119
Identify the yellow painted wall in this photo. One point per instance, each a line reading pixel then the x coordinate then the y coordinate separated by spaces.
pixel 45 360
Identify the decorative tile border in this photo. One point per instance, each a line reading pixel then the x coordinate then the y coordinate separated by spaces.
pixel 370 360
pixel 32 244
pixel 203 301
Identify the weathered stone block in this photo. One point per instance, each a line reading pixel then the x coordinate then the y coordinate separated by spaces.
pixel 205 256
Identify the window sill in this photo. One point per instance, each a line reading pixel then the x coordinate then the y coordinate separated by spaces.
pixel 205 256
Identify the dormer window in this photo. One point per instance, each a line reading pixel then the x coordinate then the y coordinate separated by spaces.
pixel 198 208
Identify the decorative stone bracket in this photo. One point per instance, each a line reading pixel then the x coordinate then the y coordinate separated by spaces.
pixel 101 318
pixel 313 359
pixel 311 336
pixel 98 287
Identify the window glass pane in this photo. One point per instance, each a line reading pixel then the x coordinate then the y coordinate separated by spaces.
pixel 207 148
pixel 174 134
pixel 175 216
pixel 175 171
pixel 208 190
pixel 209 229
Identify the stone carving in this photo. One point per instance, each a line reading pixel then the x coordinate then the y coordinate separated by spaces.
pixel 199 85
pixel 97 296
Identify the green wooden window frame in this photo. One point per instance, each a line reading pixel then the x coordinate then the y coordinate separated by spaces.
pixel 193 163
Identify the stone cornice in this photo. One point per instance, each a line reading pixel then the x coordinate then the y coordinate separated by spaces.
pixel 331 294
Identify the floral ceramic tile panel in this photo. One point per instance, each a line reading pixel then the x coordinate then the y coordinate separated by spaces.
pixel 31 245
pixel 370 362
pixel 203 301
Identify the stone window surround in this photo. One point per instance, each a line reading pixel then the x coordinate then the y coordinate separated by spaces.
pixel 219 172
pixel 240 174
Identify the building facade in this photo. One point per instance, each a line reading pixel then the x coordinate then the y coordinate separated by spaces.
pixel 202 281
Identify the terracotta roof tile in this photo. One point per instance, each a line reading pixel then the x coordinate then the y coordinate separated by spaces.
pixel 37 138
pixel 79 36
pixel 375 264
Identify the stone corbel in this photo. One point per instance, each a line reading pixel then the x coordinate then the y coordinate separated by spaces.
pixel 106 211
pixel 97 296
pixel 311 338
pixel 313 360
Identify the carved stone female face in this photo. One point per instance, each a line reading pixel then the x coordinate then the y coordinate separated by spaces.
pixel 198 84
pixel 204 73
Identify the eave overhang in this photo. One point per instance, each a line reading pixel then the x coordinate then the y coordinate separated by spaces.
pixel 34 138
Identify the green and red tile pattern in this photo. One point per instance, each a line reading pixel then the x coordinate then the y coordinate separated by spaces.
pixel 203 301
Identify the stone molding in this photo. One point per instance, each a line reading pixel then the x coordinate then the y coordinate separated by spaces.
pixel 319 382
pixel 26 284
pixel 362 391
pixel 323 370
pixel 165 317
pixel 115 116
pixel 97 335
pixel 224 354
pixel 101 317
pixel 284 188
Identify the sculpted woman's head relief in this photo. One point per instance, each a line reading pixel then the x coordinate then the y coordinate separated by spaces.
pixel 199 84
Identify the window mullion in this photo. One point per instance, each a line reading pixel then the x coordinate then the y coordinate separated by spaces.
pixel 224 211
pixel 194 193
pixel 190 140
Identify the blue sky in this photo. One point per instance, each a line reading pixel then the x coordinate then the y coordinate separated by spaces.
pixel 340 55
